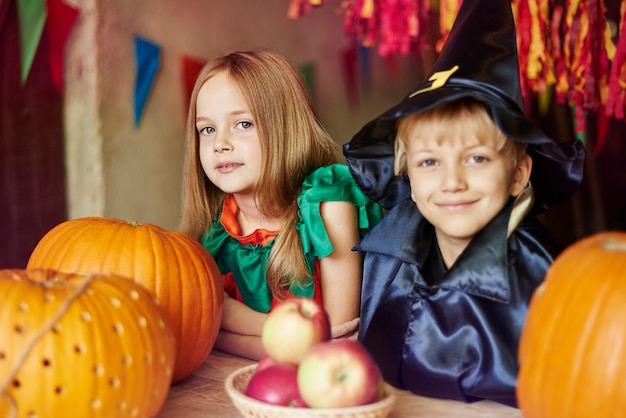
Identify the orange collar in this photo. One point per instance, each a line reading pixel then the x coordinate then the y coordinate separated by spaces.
pixel 228 220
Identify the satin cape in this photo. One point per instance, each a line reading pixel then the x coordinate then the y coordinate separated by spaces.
pixel 456 338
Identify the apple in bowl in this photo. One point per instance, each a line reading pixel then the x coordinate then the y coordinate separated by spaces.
pixel 339 373
pixel 293 327
pixel 276 384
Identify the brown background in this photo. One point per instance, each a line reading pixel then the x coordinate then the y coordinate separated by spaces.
pixel 32 191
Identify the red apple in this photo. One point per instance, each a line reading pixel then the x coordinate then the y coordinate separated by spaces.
pixel 292 327
pixel 276 384
pixel 263 363
pixel 339 373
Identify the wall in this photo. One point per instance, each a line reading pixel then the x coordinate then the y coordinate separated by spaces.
pixel 32 162
pixel 119 171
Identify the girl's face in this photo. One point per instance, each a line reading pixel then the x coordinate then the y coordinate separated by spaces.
pixel 230 149
pixel 461 183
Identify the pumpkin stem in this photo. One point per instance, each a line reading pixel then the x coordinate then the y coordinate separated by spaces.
pixel 132 222
pixel 613 244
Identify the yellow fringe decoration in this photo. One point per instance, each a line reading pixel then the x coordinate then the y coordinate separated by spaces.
pixel 368 9
pixel 448 10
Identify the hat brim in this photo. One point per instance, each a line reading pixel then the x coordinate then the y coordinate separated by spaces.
pixel 557 168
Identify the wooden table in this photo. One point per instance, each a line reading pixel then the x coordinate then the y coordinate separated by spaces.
pixel 202 395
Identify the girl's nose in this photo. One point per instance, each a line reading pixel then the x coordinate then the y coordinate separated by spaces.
pixel 222 144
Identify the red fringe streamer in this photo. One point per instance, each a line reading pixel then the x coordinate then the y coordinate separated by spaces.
pixel 616 99
pixel 565 43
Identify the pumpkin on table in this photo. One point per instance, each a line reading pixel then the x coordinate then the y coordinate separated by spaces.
pixel 572 350
pixel 85 345
pixel 176 268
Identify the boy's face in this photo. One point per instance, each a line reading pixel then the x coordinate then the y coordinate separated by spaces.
pixel 461 183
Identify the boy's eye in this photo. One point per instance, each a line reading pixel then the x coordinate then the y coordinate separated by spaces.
pixel 207 130
pixel 428 163
pixel 477 159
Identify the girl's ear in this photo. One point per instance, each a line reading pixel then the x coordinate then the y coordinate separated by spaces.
pixel 522 175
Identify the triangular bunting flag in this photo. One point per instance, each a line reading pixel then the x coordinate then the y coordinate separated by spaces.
pixel 31 15
pixel 61 18
pixel 307 72
pixel 190 68
pixel 147 57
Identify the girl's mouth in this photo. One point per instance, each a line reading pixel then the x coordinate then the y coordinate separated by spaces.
pixel 227 167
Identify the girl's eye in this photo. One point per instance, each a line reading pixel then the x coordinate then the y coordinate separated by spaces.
pixel 245 124
pixel 207 130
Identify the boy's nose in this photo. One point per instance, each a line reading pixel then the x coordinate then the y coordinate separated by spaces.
pixel 454 178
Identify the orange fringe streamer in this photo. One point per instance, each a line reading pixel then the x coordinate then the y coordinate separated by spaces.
pixel 448 10
pixel 536 65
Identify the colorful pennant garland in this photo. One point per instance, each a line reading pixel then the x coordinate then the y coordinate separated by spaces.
pixel 565 47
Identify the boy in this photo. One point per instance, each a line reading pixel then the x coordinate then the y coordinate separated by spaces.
pixel 450 270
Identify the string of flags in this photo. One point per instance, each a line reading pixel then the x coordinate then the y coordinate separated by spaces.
pixel 57 19
pixel 567 48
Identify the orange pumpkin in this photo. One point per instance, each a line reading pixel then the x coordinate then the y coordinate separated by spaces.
pixel 85 345
pixel 572 350
pixel 174 266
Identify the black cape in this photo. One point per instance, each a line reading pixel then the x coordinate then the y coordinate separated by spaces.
pixel 456 338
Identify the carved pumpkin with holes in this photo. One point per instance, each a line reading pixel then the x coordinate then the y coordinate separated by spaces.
pixel 175 267
pixel 85 345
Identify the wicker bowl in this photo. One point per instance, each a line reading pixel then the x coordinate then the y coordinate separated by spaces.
pixel 237 382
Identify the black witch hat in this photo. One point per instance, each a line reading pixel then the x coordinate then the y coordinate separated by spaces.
pixel 479 60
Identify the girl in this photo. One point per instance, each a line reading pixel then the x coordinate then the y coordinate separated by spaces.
pixel 263 192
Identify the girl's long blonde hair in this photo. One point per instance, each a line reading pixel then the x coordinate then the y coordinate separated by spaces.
pixel 293 144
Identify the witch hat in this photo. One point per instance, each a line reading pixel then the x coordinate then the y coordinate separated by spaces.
pixel 479 60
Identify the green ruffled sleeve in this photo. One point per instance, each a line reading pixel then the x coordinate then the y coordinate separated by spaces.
pixel 332 183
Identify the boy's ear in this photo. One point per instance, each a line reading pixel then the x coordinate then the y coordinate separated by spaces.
pixel 522 175
pixel 399 163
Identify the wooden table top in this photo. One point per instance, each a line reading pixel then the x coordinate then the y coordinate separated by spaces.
pixel 203 395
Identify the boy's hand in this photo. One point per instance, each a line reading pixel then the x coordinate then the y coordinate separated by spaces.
pixel 346 329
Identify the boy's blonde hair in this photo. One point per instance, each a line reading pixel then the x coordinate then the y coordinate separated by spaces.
pixel 451 120
pixel 293 144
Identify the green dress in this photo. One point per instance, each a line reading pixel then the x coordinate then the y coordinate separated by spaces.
pixel 243 265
